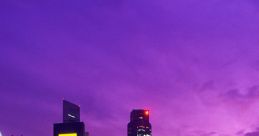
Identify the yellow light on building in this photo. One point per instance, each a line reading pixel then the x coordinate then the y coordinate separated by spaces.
pixel 68 134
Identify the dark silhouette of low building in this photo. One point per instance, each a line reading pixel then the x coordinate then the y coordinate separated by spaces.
pixel 71 125
pixel 69 129
pixel 139 124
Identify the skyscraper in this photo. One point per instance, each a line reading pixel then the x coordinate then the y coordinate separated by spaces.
pixel 139 123
pixel 71 125
pixel 71 112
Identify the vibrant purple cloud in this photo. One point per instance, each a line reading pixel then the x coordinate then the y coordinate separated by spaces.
pixel 193 63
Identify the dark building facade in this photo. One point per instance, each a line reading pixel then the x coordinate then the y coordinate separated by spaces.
pixel 71 125
pixel 69 129
pixel 139 124
pixel 71 112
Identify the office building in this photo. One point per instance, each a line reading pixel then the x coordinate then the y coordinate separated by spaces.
pixel 71 112
pixel 71 125
pixel 139 123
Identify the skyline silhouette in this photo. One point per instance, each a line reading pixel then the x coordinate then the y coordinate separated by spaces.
pixel 139 124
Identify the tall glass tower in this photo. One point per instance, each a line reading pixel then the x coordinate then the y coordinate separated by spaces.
pixel 71 126
pixel 139 123
pixel 71 112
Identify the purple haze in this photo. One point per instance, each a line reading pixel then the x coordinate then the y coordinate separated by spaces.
pixel 193 63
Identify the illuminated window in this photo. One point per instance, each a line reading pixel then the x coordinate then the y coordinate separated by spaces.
pixel 68 134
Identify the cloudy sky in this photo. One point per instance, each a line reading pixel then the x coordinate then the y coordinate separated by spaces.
pixel 193 63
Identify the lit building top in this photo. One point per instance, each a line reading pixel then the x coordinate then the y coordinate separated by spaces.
pixel 139 123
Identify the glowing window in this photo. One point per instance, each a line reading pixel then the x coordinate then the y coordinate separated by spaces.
pixel 68 134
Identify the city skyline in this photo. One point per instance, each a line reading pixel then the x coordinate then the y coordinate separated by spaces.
pixel 139 124
pixel 193 63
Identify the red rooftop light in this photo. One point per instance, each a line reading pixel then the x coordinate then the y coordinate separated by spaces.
pixel 146 112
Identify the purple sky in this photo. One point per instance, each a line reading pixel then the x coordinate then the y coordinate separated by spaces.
pixel 193 63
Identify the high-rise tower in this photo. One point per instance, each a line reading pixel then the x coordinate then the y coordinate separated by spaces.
pixel 71 125
pixel 139 123
pixel 71 112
